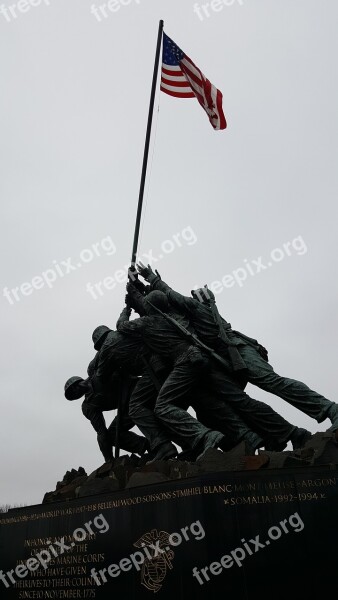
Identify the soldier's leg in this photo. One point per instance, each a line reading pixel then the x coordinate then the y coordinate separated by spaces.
pixel 292 391
pixel 217 414
pixel 220 421
pixel 105 445
pixel 128 440
pixel 97 420
pixel 258 416
pixel 141 412
pixel 185 429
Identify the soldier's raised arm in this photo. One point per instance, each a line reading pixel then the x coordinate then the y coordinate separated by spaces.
pixel 127 327
pixel 178 301
pixel 124 316
pixel 136 300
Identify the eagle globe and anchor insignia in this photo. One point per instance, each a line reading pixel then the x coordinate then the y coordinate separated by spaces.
pixel 154 569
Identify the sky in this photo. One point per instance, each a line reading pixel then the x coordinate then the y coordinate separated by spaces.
pixel 251 210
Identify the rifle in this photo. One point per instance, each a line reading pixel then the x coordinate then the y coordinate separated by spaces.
pixel 193 339
pixel 237 361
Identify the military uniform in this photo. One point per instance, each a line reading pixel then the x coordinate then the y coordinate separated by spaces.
pixel 131 354
pixel 259 371
pixel 186 367
pixel 95 404
pixel 233 410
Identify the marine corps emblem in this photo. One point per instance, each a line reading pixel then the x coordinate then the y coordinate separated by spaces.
pixel 156 546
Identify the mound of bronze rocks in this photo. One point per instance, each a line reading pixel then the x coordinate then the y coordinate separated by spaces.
pixel 131 471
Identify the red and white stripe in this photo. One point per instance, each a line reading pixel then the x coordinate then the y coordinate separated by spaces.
pixel 174 82
pixel 187 81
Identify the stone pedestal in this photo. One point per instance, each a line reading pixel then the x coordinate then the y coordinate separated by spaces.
pixel 246 530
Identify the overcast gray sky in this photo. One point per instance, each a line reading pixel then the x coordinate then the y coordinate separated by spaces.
pixel 73 109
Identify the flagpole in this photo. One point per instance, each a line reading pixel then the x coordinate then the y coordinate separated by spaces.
pixel 142 186
pixel 147 143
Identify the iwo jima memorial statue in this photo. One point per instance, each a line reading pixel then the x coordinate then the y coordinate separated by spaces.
pixel 199 506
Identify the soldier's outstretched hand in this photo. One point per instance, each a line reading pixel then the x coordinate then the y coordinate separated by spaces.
pixel 146 272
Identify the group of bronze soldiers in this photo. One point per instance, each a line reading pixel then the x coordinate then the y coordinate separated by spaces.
pixel 181 353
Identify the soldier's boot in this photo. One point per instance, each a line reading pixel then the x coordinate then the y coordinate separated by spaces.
pixel 273 445
pixel 187 455
pixel 165 451
pixel 299 437
pixel 332 414
pixel 253 440
pixel 212 439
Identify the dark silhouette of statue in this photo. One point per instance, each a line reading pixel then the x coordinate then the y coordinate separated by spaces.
pixel 95 404
pixel 200 310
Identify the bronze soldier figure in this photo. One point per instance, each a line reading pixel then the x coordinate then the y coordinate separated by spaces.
pixel 221 403
pixel 258 370
pixel 95 404
pixel 187 366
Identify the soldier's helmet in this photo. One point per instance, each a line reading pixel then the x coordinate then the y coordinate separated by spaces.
pixel 159 300
pixel 99 335
pixel 71 389
pixel 203 295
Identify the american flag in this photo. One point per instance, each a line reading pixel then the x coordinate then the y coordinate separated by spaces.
pixel 182 79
